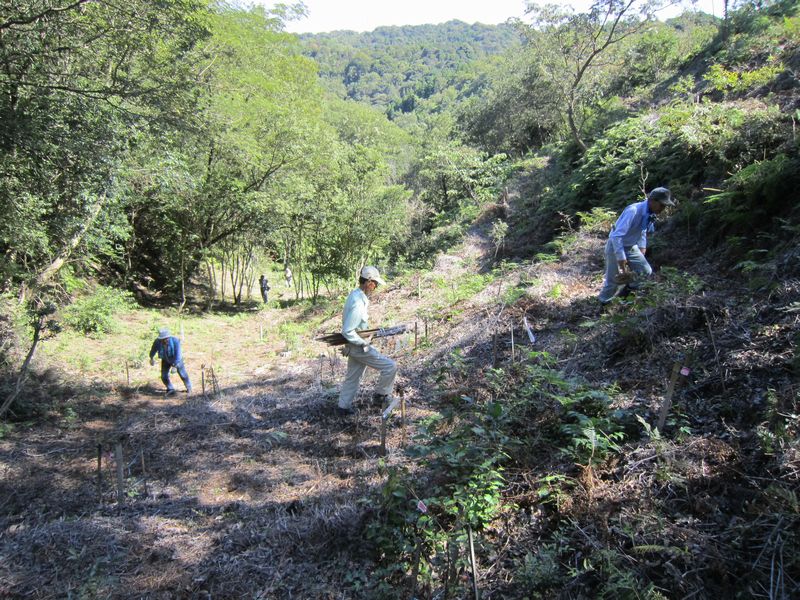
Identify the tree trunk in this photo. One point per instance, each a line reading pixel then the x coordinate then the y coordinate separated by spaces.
pixel 66 251
pixel 23 372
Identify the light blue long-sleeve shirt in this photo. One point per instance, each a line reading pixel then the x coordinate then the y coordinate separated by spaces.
pixel 631 229
pixel 355 317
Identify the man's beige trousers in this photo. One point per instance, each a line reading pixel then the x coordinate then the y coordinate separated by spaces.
pixel 357 361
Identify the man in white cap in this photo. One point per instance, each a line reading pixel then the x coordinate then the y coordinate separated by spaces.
pixel 360 354
pixel 169 351
pixel 627 244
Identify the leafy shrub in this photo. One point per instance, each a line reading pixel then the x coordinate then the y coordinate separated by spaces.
pixel 95 314
pixel 723 80
pixel 756 194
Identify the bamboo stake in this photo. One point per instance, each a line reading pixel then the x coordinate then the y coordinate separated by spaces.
pixel 416 334
pixel 120 474
pixel 203 378
pixel 127 373
pixel 716 351
pixel 144 472
pixel 99 473
pixel 474 564
pixel 512 342
pixel 415 570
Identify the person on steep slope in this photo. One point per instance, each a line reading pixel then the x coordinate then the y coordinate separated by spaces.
pixel 360 354
pixel 627 243
pixel 169 351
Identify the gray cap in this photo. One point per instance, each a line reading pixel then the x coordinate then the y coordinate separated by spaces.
pixel 163 333
pixel 661 195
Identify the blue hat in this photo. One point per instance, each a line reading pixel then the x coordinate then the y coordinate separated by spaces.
pixel 661 195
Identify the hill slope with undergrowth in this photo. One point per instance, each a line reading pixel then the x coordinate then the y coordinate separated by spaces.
pixel 546 450
pixel 547 447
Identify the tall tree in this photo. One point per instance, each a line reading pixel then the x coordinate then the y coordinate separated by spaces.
pixel 76 78
pixel 572 49
pixel 258 108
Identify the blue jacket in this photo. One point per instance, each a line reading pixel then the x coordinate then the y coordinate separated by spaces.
pixel 171 353
pixel 631 229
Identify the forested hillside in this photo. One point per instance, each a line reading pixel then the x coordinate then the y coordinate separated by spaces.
pixel 395 67
pixel 156 158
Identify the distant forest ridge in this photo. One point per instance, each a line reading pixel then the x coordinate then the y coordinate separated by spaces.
pixel 395 67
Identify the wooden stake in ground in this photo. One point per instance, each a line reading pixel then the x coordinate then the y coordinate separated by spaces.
pixel 120 474
pixel 662 418
pixel 383 437
pixel 99 473
pixel 679 369
pixel 127 373
pixel 144 473
pixel 203 377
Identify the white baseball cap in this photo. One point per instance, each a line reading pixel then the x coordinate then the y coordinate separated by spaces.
pixel 372 274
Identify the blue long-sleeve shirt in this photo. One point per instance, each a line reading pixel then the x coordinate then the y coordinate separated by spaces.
pixel 170 353
pixel 631 229
pixel 355 317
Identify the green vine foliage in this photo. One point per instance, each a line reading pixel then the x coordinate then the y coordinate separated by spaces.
pixel 421 522
pixel 461 454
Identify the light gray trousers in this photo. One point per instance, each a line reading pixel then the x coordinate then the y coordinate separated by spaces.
pixel 357 362
pixel 637 263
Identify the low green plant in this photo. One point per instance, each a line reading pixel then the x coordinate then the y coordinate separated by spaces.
pixel 292 333
pixel 463 287
pixel 498 235
pixel 95 314
pixel 513 293
pixel 423 520
pixel 546 258
pixel 540 573
pixel 554 489
pixel 5 429
pixel 597 220
pixel 556 291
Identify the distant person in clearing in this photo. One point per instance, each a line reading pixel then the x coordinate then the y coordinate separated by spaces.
pixel 263 285
pixel 168 349
pixel 627 243
pixel 360 354
pixel 287 273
